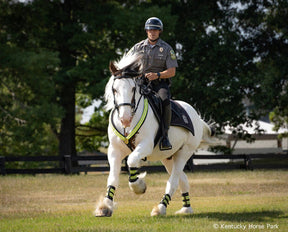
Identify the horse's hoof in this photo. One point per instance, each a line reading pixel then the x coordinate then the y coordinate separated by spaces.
pixel 138 187
pixel 158 210
pixel 103 212
pixel 185 210
pixel 104 208
pixel 155 212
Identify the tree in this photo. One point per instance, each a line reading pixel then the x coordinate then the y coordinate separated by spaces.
pixel 82 36
pixel 28 113
pixel 230 51
pixel 61 28
pixel 53 51
pixel 274 66
pixel 212 68
pixel 265 28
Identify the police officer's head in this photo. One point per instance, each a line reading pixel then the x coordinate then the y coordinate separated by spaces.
pixel 153 27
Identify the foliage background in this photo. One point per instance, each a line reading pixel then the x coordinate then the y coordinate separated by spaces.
pixel 54 61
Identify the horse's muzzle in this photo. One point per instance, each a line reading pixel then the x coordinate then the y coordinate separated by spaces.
pixel 126 121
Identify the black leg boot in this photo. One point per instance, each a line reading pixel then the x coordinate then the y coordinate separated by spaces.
pixel 166 120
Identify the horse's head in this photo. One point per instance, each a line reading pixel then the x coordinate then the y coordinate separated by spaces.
pixel 122 89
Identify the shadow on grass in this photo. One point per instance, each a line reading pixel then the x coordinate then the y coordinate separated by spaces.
pixel 258 216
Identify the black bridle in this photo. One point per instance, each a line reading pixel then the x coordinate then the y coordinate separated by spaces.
pixel 132 104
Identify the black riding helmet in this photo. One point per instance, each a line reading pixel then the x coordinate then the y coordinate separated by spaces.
pixel 153 24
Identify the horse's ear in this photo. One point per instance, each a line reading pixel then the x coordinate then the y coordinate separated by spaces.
pixel 112 68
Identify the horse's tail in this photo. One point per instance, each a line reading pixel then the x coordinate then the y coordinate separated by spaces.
pixel 208 137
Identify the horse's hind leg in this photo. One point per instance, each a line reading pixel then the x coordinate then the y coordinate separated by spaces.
pixel 184 187
pixel 170 189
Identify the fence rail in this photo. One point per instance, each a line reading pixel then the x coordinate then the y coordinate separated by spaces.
pixel 248 161
pixel 68 163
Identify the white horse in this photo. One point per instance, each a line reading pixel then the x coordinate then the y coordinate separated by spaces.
pixel 133 122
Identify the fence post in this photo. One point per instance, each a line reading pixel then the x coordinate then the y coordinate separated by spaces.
pixel 279 142
pixel 248 162
pixel 2 166
pixel 190 164
pixel 67 164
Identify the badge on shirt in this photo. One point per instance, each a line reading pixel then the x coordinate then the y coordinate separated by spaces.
pixel 161 49
pixel 173 55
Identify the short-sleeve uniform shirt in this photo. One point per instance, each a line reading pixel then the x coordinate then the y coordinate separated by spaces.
pixel 158 57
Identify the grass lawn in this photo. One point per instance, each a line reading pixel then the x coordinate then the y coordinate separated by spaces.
pixel 222 201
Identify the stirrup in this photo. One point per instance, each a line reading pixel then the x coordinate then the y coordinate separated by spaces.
pixel 165 144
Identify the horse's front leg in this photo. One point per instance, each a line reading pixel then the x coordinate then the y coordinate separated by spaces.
pixel 136 180
pixel 106 206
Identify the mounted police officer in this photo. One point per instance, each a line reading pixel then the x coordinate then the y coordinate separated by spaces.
pixel 159 66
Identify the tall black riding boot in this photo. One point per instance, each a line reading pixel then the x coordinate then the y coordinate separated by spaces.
pixel 166 120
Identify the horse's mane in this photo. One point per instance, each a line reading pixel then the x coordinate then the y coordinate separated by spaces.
pixel 129 61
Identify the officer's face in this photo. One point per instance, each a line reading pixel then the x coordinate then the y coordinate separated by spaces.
pixel 153 34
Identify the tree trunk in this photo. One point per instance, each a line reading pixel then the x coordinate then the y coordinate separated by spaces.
pixel 67 132
pixel 68 84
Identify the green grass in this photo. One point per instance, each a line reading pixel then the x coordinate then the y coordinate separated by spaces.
pixel 229 199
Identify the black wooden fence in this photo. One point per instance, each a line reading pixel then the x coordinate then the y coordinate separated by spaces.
pixel 89 163
pixel 66 166
pixel 244 161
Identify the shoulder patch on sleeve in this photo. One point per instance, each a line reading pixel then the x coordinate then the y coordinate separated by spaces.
pixel 172 54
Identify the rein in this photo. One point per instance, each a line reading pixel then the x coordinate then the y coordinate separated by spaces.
pixel 127 139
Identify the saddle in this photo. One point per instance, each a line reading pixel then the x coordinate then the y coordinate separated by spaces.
pixel 179 115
